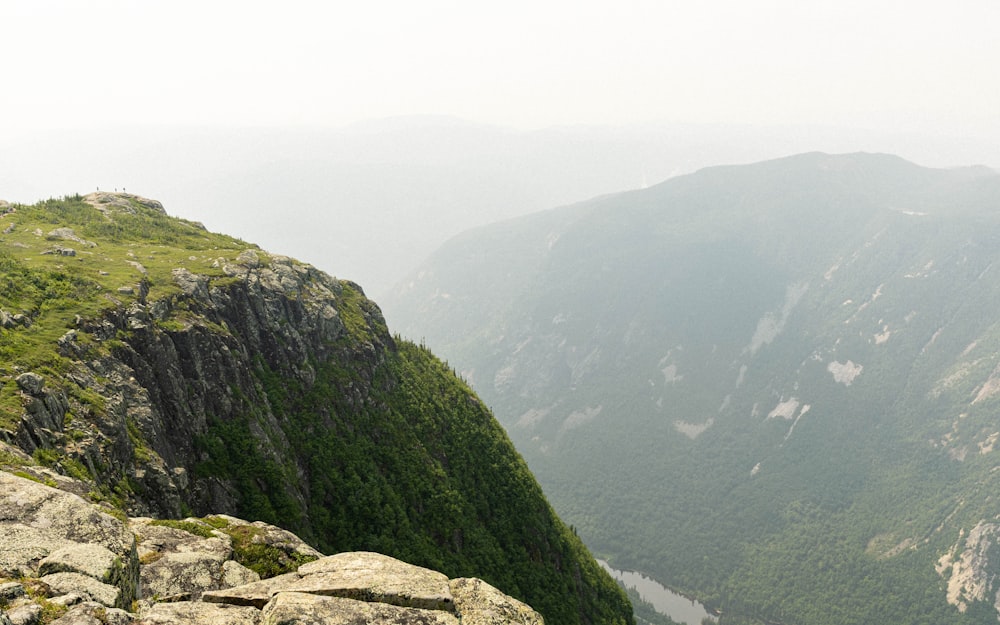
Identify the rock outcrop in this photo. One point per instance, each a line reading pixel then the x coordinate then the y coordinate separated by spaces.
pixel 73 562
pixel 180 565
pixel 69 545
pixel 107 202
pixel 970 568
pixel 162 385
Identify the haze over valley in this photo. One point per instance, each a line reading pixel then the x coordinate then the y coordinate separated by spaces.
pixel 770 386
pixel 372 200
pixel 706 291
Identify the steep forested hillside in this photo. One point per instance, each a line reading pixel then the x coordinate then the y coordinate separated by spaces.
pixel 179 371
pixel 772 386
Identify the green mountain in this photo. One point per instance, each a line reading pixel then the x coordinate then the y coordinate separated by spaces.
pixel 774 387
pixel 183 372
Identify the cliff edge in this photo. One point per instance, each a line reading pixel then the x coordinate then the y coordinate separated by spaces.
pixel 174 372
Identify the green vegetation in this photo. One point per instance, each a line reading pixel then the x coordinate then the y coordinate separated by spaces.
pixel 9 459
pixel 122 246
pixel 191 527
pixel 48 481
pixel 354 311
pixel 38 592
pixel 266 560
pixel 423 473
pixel 46 457
pixel 10 405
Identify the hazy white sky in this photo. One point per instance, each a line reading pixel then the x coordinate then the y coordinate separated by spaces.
pixel 897 65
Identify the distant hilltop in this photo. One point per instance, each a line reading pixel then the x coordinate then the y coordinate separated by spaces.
pixel 122 201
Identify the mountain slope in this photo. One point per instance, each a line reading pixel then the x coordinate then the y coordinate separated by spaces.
pixel 181 371
pixel 771 386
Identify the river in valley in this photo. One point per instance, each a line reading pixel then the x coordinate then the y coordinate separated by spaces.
pixel 677 607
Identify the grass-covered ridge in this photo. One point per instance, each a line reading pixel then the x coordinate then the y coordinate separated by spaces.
pixel 116 240
pixel 123 248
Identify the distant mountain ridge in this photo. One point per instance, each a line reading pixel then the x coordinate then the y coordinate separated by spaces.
pixel 381 196
pixel 175 371
pixel 772 386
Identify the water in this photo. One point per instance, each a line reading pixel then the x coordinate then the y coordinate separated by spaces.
pixel 677 607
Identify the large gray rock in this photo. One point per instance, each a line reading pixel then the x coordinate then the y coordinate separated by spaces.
pixel 235 574
pixel 44 415
pixel 24 547
pixel 195 612
pixel 63 515
pixel 970 567
pixel 191 284
pixel 86 558
pixel 266 534
pixel 10 591
pixel 66 583
pixel 358 575
pixel 39 523
pixel 375 577
pixel 30 383
pixel 91 613
pixel 180 565
pixel 25 614
pixel 108 202
pixel 256 594
pixel 478 603
pixel 296 608
pixel 67 234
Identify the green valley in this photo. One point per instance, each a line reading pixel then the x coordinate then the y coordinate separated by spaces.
pixel 772 387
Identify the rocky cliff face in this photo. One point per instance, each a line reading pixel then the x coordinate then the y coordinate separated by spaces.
pixel 174 372
pixel 67 561
pixel 177 359
pixel 970 568
pixel 180 361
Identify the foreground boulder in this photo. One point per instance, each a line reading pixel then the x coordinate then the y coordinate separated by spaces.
pixel 66 561
pixel 357 575
pixel 308 609
pixel 67 543
pixel 180 565
pixel 370 587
